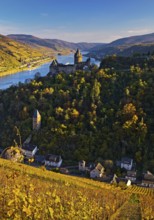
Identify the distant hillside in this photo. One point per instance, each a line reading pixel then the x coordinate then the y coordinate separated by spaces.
pixel 148 38
pixel 54 44
pixel 126 46
pixel 15 55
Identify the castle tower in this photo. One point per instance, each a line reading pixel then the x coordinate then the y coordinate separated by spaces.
pixel 36 120
pixel 77 57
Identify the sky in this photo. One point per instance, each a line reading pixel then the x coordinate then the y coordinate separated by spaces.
pixel 77 20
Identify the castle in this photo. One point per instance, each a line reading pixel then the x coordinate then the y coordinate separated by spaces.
pixel 56 67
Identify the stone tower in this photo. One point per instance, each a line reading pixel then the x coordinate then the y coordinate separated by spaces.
pixel 77 57
pixel 36 120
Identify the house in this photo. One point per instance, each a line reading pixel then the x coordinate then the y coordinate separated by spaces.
pixel 148 180
pixel 82 165
pixel 53 160
pixel 29 150
pixel 131 175
pixel 39 159
pixel 126 163
pixel 98 171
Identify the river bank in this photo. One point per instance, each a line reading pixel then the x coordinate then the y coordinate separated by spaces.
pixel 32 66
pixel 21 75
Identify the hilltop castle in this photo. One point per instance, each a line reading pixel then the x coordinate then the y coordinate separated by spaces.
pixel 56 67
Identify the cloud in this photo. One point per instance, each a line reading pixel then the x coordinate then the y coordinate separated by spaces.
pixel 139 31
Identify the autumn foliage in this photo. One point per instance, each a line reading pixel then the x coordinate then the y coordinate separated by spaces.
pixel 34 193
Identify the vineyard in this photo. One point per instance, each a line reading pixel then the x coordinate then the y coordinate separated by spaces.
pixel 28 193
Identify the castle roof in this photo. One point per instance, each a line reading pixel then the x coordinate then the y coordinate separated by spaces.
pixel 36 114
pixel 78 53
pixel 54 63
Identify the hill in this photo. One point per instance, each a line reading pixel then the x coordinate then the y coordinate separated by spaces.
pixel 15 56
pixel 102 113
pixel 126 46
pixel 147 38
pixel 55 44
pixel 18 52
pixel 35 193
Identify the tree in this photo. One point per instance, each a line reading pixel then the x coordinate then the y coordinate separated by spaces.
pixel 95 92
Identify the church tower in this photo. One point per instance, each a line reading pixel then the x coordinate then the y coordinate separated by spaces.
pixel 77 57
pixel 36 120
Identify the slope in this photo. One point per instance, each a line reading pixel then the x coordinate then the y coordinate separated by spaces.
pixel 17 56
pixel 35 193
pixel 55 44
pixel 126 46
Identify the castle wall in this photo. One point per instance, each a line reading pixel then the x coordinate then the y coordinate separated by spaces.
pixel 62 68
pixel 67 69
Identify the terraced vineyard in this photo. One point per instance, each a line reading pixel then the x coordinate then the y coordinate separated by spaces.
pixel 35 193
pixel 141 190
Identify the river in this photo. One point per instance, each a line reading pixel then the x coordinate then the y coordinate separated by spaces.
pixel 14 79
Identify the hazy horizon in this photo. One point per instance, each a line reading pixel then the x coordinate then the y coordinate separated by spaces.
pixel 77 21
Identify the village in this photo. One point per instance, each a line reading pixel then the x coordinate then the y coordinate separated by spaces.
pixel 123 171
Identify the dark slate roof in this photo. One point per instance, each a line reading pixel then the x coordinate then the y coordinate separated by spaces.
pixel 77 53
pixel 53 158
pixel 39 158
pixel 36 113
pixel 126 160
pixel 54 63
pixel 28 147
pixel 131 173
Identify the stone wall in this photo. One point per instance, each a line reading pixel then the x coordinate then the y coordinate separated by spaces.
pixel 62 68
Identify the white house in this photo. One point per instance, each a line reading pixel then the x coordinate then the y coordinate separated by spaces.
pixel 82 165
pixel 53 160
pixel 98 171
pixel 126 163
pixel 29 150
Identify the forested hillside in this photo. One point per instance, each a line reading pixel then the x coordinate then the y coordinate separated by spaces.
pixel 127 46
pixel 103 113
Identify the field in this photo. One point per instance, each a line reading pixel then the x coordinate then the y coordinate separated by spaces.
pixel 35 193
